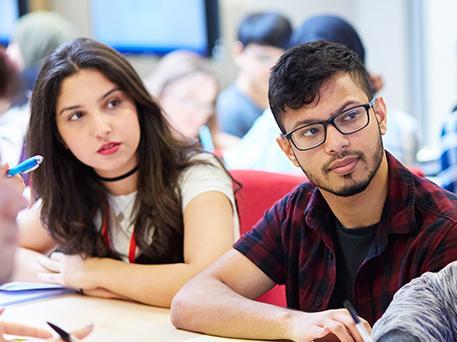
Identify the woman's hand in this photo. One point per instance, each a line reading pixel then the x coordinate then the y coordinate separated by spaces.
pixel 17 180
pixel 71 271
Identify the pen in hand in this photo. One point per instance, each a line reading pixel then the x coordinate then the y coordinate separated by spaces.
pixel 366 336
pixel 62 333
pixel 26 166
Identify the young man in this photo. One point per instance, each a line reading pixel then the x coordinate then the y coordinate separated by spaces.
pixel 262 38
pixel 360 230
pixel 423 310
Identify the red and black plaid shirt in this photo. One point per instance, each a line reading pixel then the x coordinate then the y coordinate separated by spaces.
pixel 293 243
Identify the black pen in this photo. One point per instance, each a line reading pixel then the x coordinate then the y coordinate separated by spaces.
pixel 366 336
pixel 62 333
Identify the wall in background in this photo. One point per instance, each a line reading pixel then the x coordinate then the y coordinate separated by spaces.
pixel 440 47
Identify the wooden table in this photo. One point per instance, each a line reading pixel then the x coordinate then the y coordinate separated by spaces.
pixel 113 320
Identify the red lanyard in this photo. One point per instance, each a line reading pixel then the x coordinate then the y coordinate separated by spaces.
pixel 105 227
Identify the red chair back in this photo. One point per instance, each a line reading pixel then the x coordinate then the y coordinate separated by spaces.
pixel 259 191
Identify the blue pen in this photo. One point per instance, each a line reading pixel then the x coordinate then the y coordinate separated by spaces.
pixel 26 166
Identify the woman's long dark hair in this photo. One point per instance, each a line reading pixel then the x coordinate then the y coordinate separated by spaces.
pixel 70 191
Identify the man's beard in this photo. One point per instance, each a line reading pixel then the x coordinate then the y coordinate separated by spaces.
pixel 351 187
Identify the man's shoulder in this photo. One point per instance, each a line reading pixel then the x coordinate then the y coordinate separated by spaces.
pixel 296 201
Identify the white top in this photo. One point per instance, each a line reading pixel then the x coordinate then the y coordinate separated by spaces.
pixel 194 181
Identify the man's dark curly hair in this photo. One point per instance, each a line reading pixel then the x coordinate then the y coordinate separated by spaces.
pixel 298 76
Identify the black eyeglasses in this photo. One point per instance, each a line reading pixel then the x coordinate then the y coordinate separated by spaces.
pixel 347 122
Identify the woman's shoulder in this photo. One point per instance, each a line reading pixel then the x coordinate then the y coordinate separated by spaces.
pixel 205 174
pixel 204 168
pixel 204 161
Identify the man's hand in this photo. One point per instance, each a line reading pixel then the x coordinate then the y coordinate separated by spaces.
pixel 330 325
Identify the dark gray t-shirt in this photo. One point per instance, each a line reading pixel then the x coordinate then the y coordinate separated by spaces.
pixel 351 248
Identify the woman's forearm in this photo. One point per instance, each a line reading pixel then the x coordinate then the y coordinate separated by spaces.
pixel 150 284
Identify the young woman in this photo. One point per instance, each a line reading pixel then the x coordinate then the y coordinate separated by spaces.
pixel 133 212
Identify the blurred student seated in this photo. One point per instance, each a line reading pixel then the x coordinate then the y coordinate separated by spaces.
pixel 187 89
pixel 258 149
pixel 262 38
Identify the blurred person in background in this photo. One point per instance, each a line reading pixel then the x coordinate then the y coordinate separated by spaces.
pixel 187 89
pixel 262 38
pixel 35 36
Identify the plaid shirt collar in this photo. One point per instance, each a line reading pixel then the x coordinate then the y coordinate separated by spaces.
pixel 398 214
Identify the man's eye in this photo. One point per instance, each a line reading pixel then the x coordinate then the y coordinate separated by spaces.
pixel 351 116
pixel 310 132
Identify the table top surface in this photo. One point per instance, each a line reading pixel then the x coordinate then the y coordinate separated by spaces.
pixel 114 320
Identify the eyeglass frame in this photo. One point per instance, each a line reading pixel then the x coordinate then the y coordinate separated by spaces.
pixel 331 121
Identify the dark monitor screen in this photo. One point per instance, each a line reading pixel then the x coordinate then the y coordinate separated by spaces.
pixel 156 27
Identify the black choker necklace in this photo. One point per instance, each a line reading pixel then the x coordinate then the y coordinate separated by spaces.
pixel 115 179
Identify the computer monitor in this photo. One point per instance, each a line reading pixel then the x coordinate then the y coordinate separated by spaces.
pixel 156 27
pixel 10 10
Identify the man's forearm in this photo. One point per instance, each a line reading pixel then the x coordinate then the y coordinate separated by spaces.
pixel 213 308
